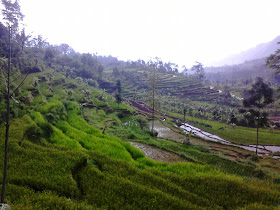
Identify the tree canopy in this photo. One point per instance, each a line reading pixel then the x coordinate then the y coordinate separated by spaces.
pixel 198 71
pixel 273 61
pixel 259 95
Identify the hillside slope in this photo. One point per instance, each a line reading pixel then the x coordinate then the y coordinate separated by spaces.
pixel 59 161
pixel 260 51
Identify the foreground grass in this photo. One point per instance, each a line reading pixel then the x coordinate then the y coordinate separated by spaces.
pixel 63 176
pixel 58 161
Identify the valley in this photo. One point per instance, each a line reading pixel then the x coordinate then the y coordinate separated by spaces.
pixel 89 131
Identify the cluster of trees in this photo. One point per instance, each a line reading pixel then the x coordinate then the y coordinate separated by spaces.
pixel 242 74
pixel 255 100
pixel 12 17
pixel 35 54
pixel 21 54
pixel 273 62
pixel 196 72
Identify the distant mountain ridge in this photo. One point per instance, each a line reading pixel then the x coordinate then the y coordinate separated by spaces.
pixel 260 51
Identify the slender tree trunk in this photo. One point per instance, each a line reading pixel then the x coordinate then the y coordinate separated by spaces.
pixel 258 125
pixel 153 113
pixel 7 124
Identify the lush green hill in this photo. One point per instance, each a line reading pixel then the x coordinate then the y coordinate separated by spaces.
pixel 58 161
pixel 70 148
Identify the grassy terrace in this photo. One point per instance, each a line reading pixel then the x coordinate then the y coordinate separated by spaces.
pixel 79 167
pixel 61 159
pixel 179 86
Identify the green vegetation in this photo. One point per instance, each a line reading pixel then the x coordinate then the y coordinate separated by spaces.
pixel 67 163
pixel 238 134
pixel 70 138
pixel 50 176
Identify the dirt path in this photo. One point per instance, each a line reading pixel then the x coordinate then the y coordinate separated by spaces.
pixel 158 154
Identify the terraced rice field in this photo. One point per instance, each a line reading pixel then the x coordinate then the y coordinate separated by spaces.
pixel 179 86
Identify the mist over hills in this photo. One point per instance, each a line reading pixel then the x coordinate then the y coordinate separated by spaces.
pixel 260 51
pixel 246 65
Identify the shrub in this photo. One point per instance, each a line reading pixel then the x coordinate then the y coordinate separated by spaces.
pixel 33 133
pixel 259 174
pixel 54 111
pixel 72 106
pixel 142 121
pixel 124 113
pixel 153 133
pixel 47 130
pixel 131 135
pixel 276 180
pixel 254 157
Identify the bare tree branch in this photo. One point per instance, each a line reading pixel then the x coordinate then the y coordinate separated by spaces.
pixel 22 82
pixel 15 100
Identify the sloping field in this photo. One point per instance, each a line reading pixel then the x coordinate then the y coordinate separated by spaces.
pixel 78 167
pixel 179 85
pixel 58 161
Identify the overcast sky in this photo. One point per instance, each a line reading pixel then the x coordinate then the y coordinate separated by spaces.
pixel 182 31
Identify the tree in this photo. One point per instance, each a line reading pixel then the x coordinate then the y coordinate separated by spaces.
pixel 198 71
pixel 100 71
pixel 118 96
pixel 258 97
pixel 142 121
pixel 49 55
pixel 185 70
pixel 39 42
pixel 116 72
pixel 185 111
pixel 22 39
pixel 153 83
pixel 273 62
pixel 12 16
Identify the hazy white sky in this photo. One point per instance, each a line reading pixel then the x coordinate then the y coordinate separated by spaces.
pixel 182 31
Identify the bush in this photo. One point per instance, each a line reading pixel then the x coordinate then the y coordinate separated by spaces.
pixel 276 180
pixel 131 136
pixel 72 106
pixel 124 113
pixel 153 133
pixel 47 130
pixel 259 174
pixel 142 121
pixel 254 157
pixel 35 135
